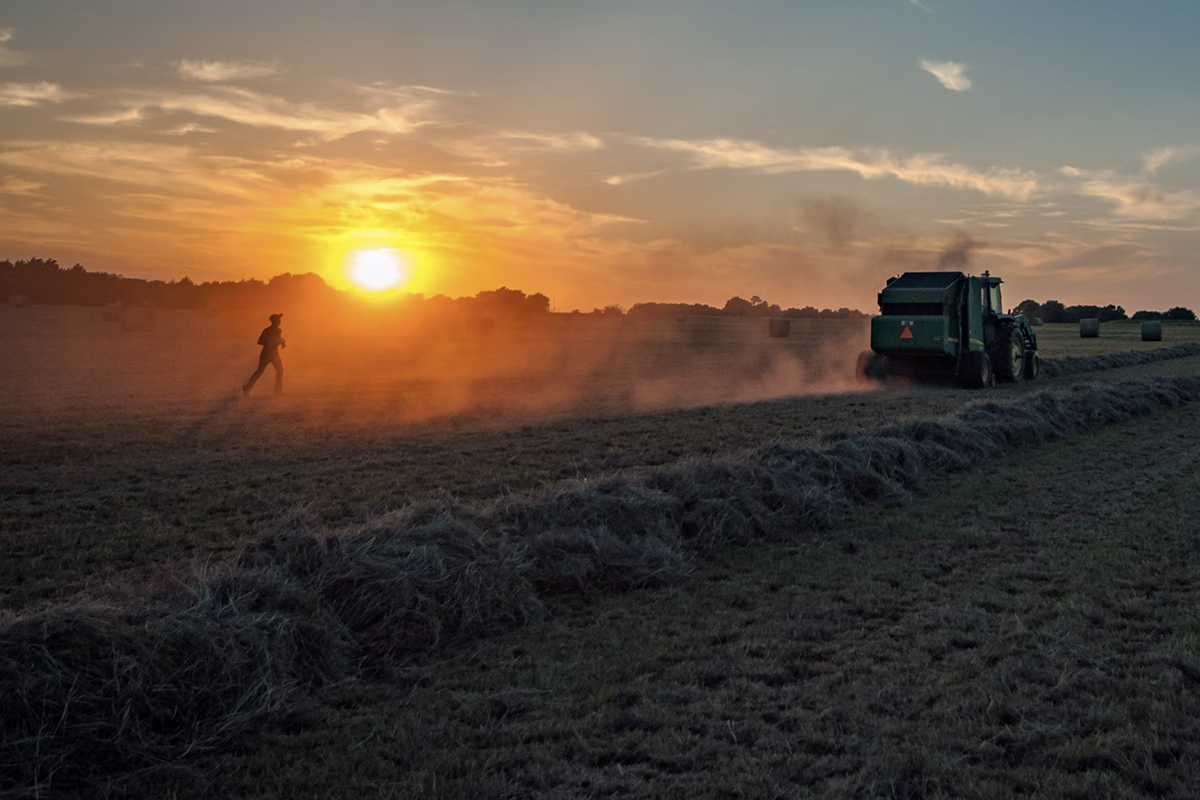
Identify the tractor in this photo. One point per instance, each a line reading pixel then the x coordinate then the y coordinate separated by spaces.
pixel 936 325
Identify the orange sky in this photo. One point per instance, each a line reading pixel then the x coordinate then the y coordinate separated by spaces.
pixel 600 153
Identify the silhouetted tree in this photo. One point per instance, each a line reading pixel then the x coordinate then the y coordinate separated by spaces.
pixel 1029 308
pixel 1052 311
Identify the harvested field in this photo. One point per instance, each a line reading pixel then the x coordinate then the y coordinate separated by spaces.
pixel 123 498
pixel 1028 633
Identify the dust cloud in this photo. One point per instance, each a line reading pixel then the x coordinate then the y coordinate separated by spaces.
pixel 374 367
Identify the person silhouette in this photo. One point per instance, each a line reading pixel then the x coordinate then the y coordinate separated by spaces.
pixel 271 340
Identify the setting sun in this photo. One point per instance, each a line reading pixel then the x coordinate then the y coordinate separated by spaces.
pixel 377 270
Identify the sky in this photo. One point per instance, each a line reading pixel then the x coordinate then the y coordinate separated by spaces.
pixel 611 152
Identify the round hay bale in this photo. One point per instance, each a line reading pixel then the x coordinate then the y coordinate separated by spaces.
pixel 781 328
pixel 19 301
pixel 138 319
pixel 1089 328
pixel 1152 330
pixel 112 311
pixel 1036 321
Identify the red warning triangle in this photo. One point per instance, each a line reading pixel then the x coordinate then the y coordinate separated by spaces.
pixel 906 333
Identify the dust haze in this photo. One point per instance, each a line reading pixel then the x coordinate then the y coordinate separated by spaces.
pixel 374 367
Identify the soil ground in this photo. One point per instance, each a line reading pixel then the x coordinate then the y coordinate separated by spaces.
pixel 1030 630
pixel 1027 630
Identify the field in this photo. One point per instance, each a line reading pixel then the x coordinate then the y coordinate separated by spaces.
pixel 1022 623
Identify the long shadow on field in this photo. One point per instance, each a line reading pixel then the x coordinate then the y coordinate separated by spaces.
pixel 216 411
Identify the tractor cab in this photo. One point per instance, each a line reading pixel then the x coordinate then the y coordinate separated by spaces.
pixel 990 297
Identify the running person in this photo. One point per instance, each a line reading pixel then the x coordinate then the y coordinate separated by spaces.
pixel 271 340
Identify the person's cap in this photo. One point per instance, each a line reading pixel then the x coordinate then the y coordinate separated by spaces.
pixel 276 317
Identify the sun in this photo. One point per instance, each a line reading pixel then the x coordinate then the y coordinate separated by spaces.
pixel 377 270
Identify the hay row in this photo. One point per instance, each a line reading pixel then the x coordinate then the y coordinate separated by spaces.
pixel 1073 365
pixel 89 691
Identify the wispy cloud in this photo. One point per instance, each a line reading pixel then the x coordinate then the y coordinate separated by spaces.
pixel 1157 159
pixel 949 73
pixel 8 56
pixel 186 128
pixel 633 177
pixel 219 71
pixel 561 143
pixel 245 107
pixel 10 184
pixel 31 94
pixel 920 169
pixel 920 5
pixel 1142 199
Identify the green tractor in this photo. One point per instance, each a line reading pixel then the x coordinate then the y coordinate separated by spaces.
pixel 935 325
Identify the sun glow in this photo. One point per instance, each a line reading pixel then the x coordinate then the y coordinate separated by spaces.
pixel 377 270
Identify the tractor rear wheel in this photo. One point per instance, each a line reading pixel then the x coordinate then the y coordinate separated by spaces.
pixel 871 368
pixel 1008 354
pixel 975 371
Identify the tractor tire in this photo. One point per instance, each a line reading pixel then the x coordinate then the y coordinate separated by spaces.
pixel 871 368
pixel 1008 354
pixel 975 371
pixel 1033 364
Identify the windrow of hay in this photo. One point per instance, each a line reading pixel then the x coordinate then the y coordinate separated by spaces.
pixel 1073 365
pixel 86 691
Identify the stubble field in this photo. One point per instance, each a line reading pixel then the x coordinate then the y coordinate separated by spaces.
pixel 1025 628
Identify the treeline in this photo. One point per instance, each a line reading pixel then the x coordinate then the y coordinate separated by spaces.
pixel 1054 311
pixel 739 307
pixel 44 282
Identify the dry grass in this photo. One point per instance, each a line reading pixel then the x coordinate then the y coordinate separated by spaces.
pixel 389 547
pixel 304 611
pixel 1074 365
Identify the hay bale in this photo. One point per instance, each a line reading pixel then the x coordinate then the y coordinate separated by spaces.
pixel 19 301
pixel 1089 328
pixel 1035 321
pixel 112 311
pixel 1152 330
pixel 781 328
pixel 137 319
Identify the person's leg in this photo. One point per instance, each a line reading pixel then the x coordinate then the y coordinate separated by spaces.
pixel 263 360
pixel 278 364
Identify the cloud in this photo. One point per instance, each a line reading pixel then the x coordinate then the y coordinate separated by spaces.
pixel 8 56
pixel 245 107
pixel 13 185
pixel 920 5
pixel 1155 160
pixel 503 148
pixel 560 143
pixel 219 71
pixel 632 177
pixel 1142 199
pixel 31 94
pixel 186 128
pixel 918 169
pixel 950 74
